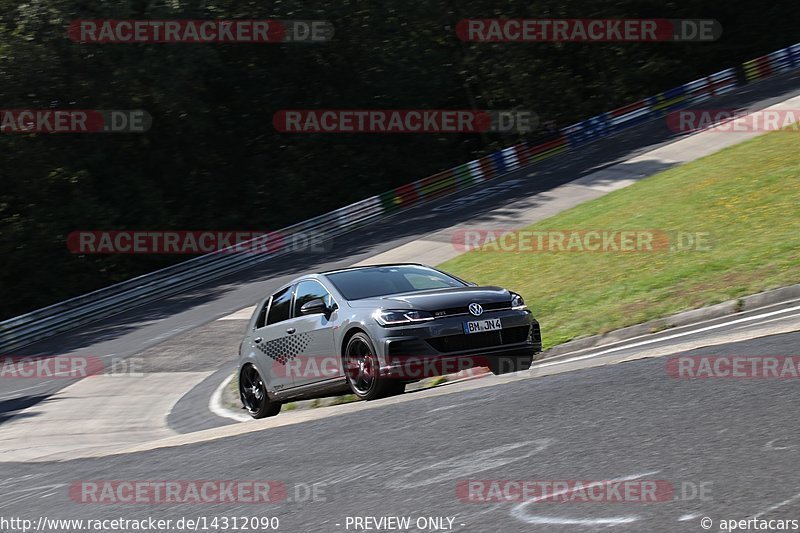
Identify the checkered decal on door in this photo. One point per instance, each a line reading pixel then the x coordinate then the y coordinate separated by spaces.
pixel 285 349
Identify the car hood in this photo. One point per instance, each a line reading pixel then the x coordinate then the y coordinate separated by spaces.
pixel 435 300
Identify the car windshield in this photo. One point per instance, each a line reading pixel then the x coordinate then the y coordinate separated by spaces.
pixel 381 281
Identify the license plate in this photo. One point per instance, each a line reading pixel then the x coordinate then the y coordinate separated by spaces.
pixel 489 324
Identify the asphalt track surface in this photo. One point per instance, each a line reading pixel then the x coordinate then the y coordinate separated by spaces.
pixel 733 439
pixel 135 331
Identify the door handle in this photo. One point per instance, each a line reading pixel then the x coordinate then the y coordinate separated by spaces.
pixel 291 331
pixel 258 340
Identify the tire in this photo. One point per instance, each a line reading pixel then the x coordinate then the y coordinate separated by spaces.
pixel 505 365
pixel 253 394
pixel 362 370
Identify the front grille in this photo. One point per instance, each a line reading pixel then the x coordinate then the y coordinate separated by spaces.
pixel 463 310
pixel 473 341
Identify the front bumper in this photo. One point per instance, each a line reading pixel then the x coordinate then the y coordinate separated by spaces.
pixel 441 346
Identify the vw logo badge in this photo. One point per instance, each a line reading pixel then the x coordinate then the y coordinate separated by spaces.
pixel 476 309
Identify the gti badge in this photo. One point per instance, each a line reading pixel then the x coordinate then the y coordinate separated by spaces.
pixel 475 309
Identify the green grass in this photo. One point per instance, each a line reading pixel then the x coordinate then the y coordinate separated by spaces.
pixel 747 197
pixel 345 398
pixel 438 380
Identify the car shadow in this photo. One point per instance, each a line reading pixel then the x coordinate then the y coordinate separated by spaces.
pixel 10 408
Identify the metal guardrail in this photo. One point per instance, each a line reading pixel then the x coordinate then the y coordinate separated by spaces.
pixel 69 314
pixel 775 63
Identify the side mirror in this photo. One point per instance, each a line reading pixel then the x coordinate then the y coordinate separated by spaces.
pixel 312 307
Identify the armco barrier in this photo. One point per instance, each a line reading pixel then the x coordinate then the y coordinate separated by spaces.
pixel 72 313
pixel 600 126
pixel 774 63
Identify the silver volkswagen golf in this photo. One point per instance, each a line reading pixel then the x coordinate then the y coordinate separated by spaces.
pixel 370 330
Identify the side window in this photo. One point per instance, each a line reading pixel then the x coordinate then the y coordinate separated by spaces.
pixel 281 303
pixel 307 291
pixel 262 316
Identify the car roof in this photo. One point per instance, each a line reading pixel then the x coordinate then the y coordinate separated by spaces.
pixel 377 265
pixel 318 275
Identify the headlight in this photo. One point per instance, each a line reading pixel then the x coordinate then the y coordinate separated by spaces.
pixel 517 303
pixel 388 317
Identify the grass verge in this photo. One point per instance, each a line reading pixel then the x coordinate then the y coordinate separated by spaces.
pixel 746 198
